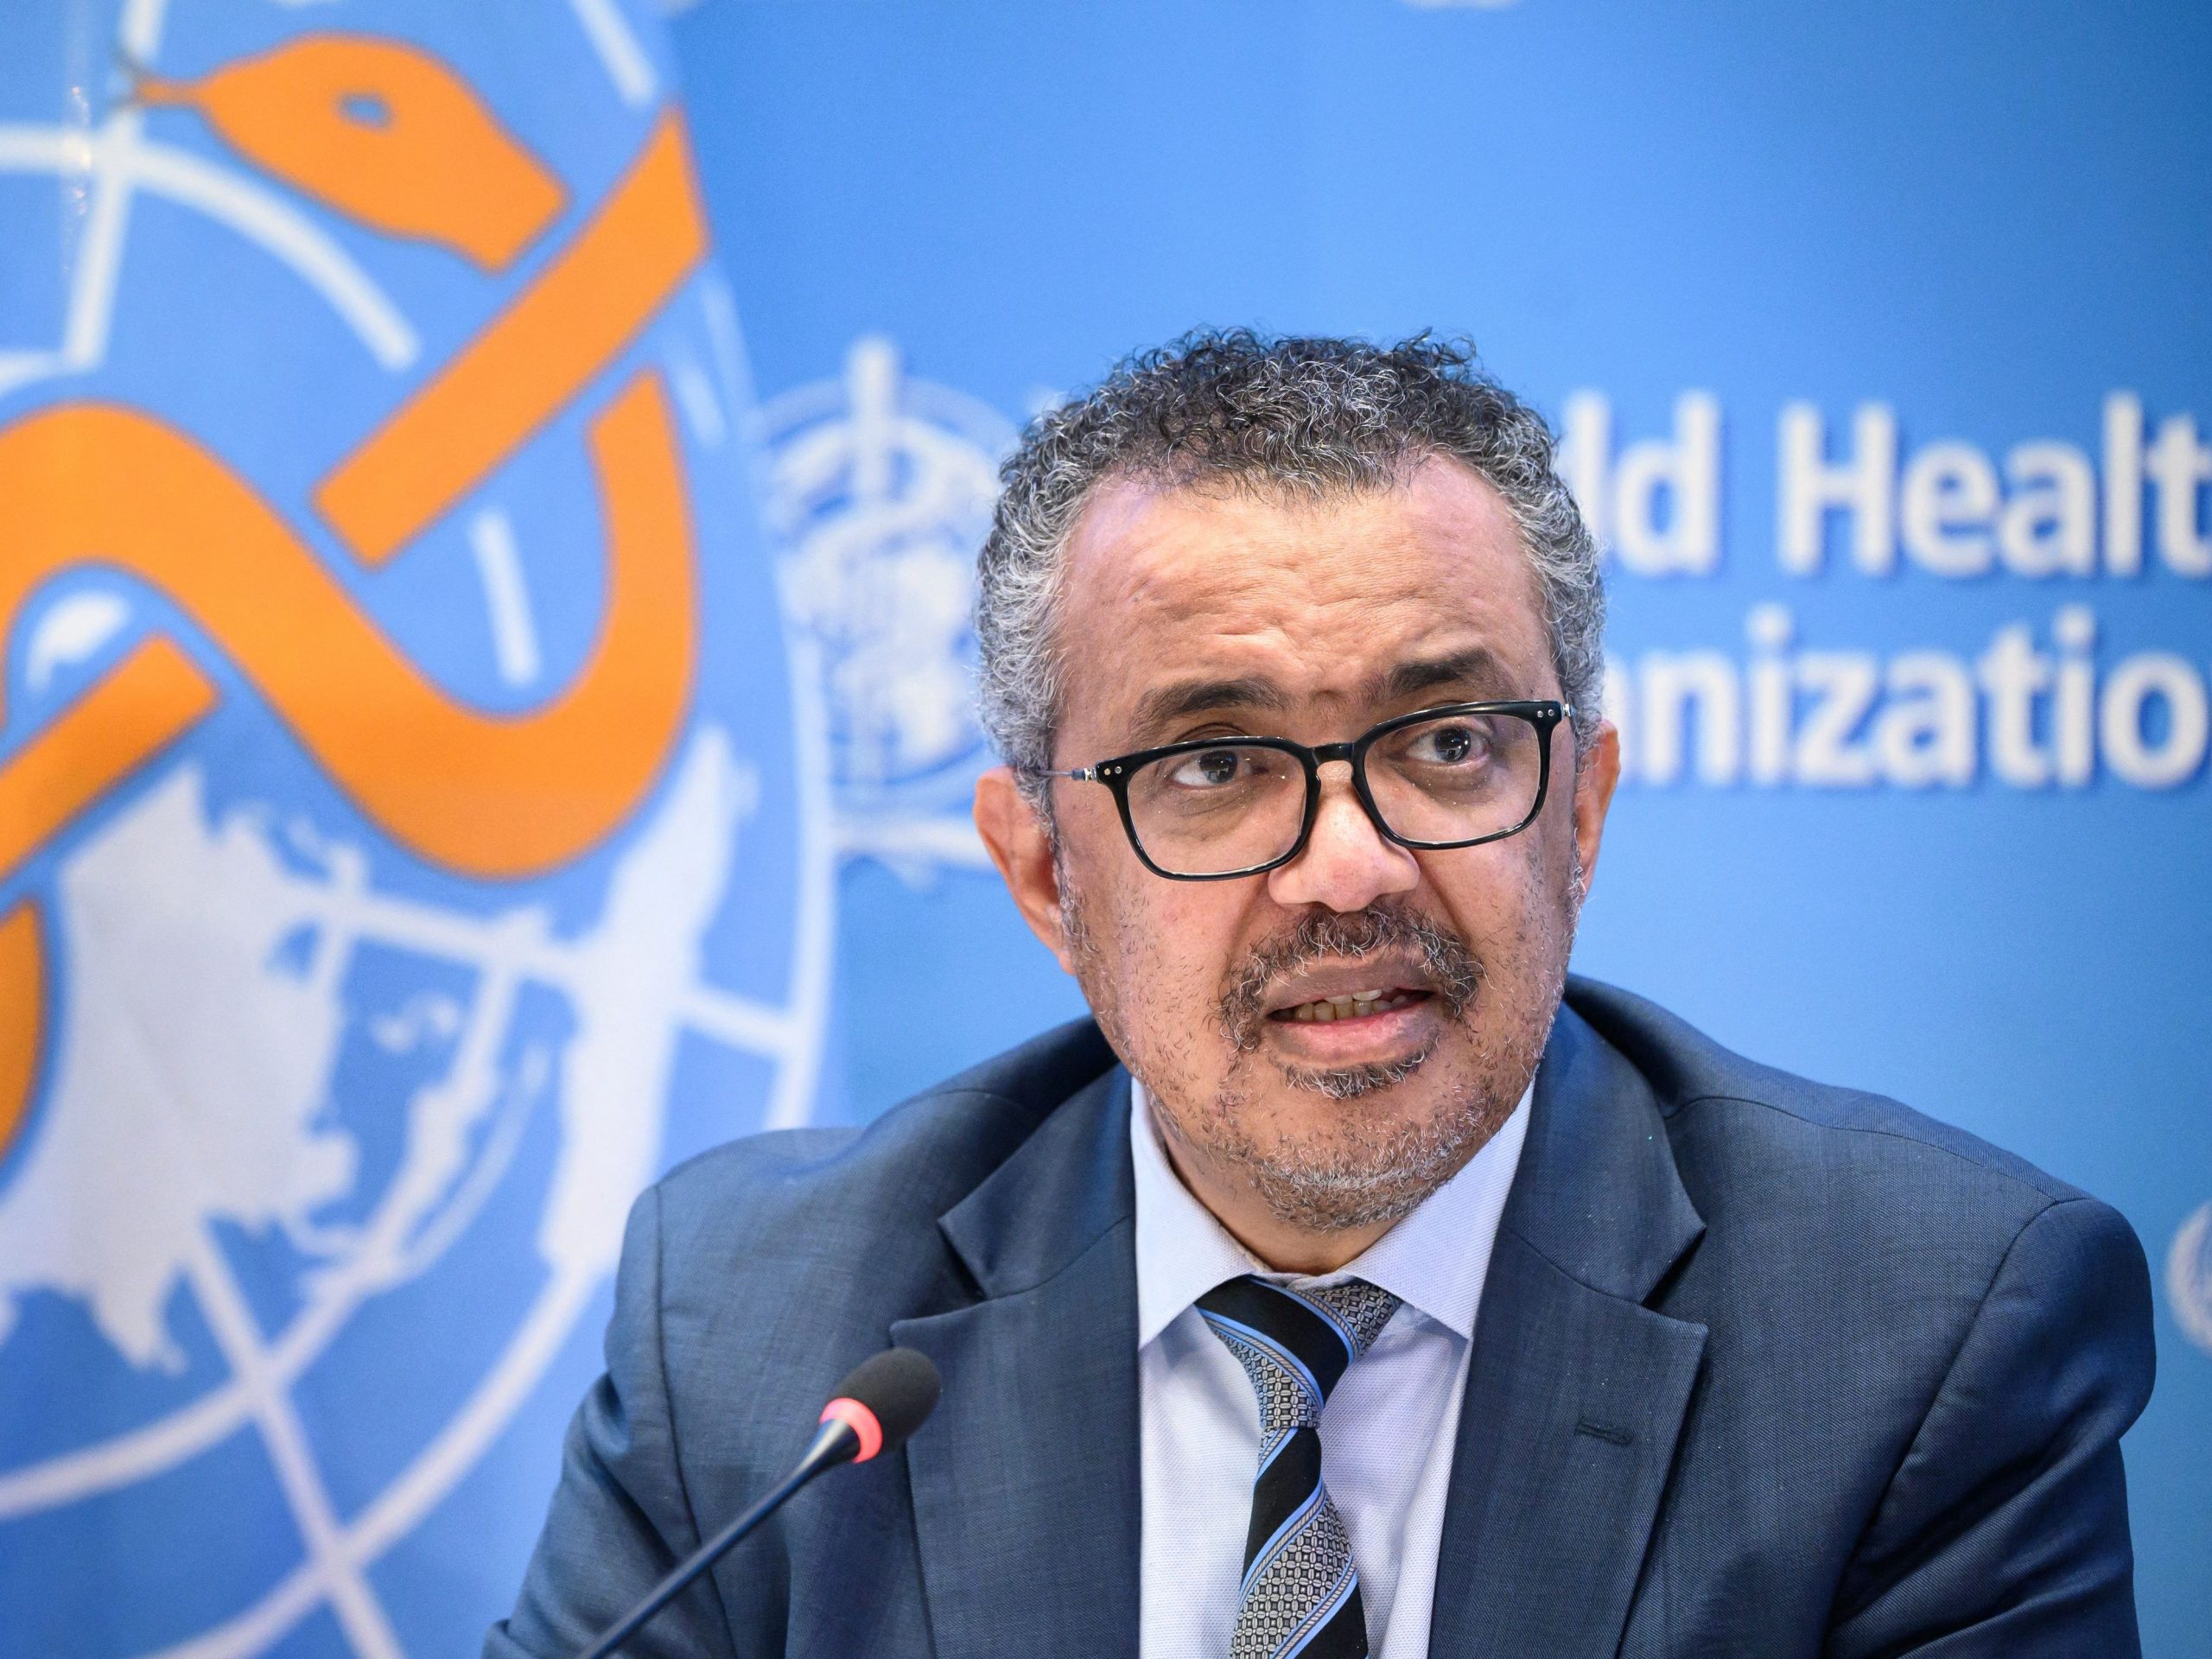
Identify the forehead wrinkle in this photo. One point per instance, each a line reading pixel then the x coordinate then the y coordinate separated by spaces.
pixel 1237 565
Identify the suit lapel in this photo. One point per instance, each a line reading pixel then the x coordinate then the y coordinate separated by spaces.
pixel 1027 1487
pixel 1576 1391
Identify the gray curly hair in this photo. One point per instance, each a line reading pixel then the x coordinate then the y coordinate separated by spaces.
pixel 1304 416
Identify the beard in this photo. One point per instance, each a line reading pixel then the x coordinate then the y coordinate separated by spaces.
pixel 1372 1162
pixel 1369 1163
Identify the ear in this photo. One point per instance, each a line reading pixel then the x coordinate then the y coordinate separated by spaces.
pixel 1019 846
pixel 1597 771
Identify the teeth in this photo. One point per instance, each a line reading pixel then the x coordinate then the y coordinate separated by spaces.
pixel 1325 1010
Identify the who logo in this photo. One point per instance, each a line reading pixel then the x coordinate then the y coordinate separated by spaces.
pixel 405 803
pixel 878 488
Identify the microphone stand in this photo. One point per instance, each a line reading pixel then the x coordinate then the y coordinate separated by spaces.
pixel 833 1445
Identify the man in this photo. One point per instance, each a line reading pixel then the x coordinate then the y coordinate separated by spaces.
pixel 1356 1283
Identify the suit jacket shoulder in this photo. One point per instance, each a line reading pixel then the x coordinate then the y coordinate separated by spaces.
pixel 752 1277
pixel 1686 1069
pixel 834 1199
pixel 1916 1344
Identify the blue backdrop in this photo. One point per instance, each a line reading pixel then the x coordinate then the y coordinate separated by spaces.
pixel 1875 336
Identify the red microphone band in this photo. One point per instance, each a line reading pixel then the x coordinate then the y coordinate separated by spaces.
pixel 858 1418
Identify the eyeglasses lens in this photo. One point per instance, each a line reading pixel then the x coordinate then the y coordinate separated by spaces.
pixel 1230 807
pixel 1458 778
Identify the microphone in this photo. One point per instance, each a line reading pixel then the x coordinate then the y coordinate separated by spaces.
pixel 882 1400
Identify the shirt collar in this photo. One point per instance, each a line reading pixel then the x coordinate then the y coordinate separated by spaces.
pixel 1436 1260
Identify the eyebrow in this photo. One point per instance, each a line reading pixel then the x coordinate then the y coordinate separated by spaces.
pixel 1475 667
pixel 1183 698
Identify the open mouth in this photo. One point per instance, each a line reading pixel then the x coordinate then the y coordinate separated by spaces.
pixel 1353 1005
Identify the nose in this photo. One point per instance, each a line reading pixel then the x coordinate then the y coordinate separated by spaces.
pixel 1347 864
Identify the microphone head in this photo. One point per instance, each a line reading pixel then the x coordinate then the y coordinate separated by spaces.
pixel 884 1399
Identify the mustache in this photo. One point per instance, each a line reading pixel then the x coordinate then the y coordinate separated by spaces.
pixel 1453 971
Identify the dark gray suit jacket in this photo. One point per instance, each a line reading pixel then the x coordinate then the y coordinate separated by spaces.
pixel 1761 1368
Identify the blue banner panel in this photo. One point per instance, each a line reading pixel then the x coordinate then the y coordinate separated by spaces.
pixel 462 749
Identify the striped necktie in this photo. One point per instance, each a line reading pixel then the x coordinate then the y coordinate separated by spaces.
pixel 1301 1591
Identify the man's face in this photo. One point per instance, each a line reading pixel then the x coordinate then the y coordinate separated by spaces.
pixel 1191 615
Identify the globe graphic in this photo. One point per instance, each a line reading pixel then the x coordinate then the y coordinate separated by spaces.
pixel 309 1221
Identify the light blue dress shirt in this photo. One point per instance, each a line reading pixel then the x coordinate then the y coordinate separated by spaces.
pixel 1388 1431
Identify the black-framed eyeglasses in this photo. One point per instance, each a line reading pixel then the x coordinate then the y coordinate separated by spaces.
pixel 1212 808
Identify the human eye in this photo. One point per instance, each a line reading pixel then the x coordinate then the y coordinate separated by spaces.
pixel 1211 770
pixel 1455 745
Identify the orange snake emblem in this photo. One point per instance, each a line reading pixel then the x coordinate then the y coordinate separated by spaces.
pixel 388 137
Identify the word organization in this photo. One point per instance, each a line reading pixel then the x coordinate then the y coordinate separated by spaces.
pixel 2031 709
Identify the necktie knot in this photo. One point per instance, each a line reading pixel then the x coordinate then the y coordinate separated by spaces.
pixel 1295 1345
